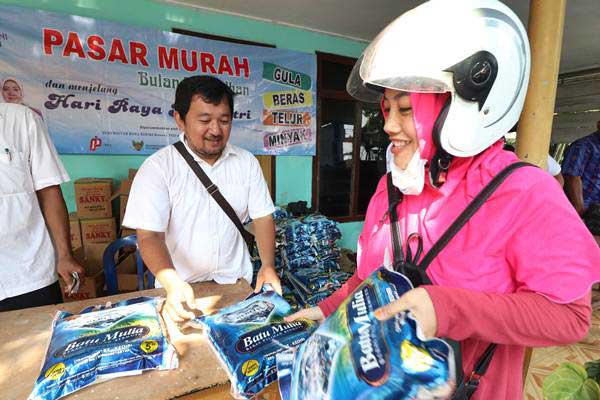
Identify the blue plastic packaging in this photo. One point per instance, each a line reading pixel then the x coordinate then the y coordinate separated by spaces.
pixel 102 343
pixel 248 335
pixel 352 355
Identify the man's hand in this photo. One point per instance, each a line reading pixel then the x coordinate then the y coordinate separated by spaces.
pixel 313 313
pixel 179 293
pixel 179 296
pixel 418 302
pixel 264 229
pixel 66 266
pixel 267 274
pixel 56 217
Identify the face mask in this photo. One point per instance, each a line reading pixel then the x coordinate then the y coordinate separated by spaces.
pixel 411 180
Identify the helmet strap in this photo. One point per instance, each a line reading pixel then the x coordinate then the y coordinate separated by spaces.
pixel 441 160
pixel 438 170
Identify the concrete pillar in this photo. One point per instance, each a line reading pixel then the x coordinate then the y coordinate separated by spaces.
pixel 546 23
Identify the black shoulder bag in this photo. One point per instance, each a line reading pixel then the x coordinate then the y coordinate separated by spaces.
pixel 213 190
pixel 415 270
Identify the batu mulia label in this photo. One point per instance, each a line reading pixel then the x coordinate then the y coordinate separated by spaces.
pixel 369 352
pixel 117 336
pixel 253 340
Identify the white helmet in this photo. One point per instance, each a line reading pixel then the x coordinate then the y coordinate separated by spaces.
pixel 475 49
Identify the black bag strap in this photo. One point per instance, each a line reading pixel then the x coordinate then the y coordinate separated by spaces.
pixel 394 198
pixel 466 388
pixel 213 190
pixel 468 212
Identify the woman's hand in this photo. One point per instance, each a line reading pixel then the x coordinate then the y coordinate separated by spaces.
pixel 418 302
pixel 313 313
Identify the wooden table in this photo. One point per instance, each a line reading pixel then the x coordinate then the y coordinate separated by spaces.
pixel 24 335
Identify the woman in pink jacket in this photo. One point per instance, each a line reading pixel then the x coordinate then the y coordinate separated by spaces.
pixel 519 272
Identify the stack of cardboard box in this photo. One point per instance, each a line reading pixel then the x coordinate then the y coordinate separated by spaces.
pixel 122 195
pixel 127 267
pixel 92 230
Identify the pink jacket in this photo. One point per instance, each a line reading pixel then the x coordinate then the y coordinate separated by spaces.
pixel 525 241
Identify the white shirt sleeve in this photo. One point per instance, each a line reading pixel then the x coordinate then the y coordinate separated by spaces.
pixel 553 167
pixel 259 201
pixel 148 205
pixel 46 167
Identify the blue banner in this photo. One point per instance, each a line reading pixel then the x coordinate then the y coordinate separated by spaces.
pixel 107 88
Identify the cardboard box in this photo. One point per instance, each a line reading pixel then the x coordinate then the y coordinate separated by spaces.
pixel 127 282
pixel 124 188
pixel 127 271
pixel 90 289
pixel 128 264
pixel 92 197
pixel 75 231
pixel 127 232
pixel 123 195
pixel 126 185
pixel 122 206
pixel 92 257
pixel 99 230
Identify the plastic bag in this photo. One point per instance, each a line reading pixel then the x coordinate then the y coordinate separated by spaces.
pixel 102 343
pixel 248 335
pixel 352 355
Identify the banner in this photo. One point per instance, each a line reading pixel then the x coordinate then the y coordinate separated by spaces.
pixel 107 88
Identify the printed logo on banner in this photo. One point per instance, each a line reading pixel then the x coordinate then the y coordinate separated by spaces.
pixel 287 99
pixel 95 142
pixel 287 138
pixel 286 118
pixel 137 145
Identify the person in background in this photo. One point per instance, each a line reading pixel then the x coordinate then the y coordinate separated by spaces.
pixel 519 272
pixel 183 234
pixel 581 168
pixel 12 92
pixel 34 240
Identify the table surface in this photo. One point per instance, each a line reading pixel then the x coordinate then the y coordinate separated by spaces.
pixel 25 334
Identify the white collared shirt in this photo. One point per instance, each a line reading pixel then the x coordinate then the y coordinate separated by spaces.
pixel 166 196
pixel 28 162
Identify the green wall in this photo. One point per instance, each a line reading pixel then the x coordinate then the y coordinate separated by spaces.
pixel 293 174
pixel 350 233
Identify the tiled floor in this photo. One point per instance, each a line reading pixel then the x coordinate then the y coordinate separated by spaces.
pixel 545 360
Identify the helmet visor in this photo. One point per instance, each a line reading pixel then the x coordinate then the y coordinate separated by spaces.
pixel 361 90
pixel 411 54
pixel 366 84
